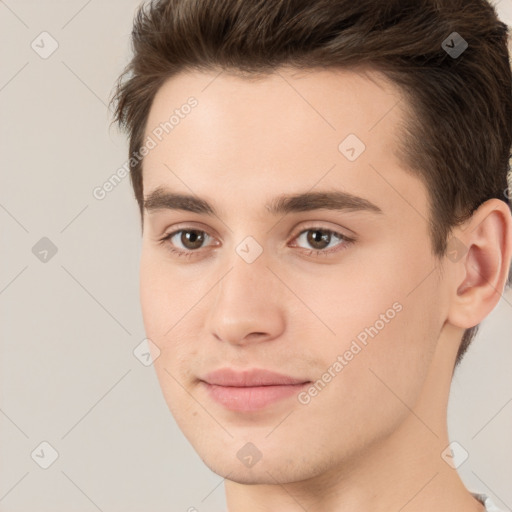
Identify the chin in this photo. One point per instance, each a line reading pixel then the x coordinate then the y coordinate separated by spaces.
pixel 269 471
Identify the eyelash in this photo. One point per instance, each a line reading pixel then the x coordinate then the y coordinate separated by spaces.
pixel 316 252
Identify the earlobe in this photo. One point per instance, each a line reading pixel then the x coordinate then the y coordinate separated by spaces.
pixel 481 274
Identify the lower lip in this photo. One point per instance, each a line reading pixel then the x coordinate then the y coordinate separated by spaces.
pixel 251 398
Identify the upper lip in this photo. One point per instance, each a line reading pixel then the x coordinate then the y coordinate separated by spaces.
pixel 249 378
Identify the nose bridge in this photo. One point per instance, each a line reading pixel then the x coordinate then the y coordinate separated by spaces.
pixel 243 301
pixel 242 289
pixel 248 271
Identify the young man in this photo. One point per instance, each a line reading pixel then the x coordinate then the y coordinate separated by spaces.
pixel 323 195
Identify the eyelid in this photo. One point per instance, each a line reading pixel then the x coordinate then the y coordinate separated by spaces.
pixel 187 227
pixel 343 242
pixel 321 225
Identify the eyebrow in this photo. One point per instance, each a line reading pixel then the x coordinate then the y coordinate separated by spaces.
pixel 162 198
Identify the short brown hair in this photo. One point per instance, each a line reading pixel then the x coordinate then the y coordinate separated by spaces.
pixel 459 136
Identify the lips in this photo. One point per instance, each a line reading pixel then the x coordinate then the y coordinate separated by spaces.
pixel 229 377
pixel 250 390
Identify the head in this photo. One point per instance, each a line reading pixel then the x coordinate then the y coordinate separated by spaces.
pixel 268 98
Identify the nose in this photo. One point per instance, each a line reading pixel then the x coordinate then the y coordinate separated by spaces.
pixel 248 305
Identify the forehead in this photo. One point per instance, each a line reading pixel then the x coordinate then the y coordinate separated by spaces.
pixel 286 131
pixel 288 102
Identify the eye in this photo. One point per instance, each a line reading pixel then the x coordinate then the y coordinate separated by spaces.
pixel 190 239
pixel 188 242
pixel 320 240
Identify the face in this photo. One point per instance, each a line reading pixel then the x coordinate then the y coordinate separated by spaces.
pixel 335 293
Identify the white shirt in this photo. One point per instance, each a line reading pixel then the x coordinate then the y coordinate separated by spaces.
pixel 486 501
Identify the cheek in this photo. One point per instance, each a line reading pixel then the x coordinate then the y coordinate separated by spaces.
pixel 152 299
pixel 375 377
pixel 166 300
pixel 162 294
pixel 385 326
pixel 162 306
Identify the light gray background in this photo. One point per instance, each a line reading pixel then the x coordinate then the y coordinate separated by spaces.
pixel 69 326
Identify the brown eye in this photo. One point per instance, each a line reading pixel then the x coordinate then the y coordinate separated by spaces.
pixel 192 239
pixel 185 242
pixel 318 238
pixel 322 241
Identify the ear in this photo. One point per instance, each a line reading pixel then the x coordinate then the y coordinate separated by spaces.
pixel 478 258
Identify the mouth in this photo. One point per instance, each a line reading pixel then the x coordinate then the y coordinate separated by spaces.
pixel 250 390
